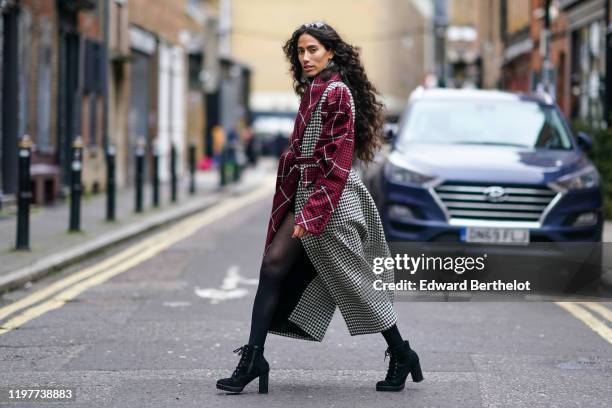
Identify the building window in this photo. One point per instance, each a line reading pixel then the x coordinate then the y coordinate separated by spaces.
pixel 588 73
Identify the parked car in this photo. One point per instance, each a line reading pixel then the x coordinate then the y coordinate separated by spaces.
pixel 489 167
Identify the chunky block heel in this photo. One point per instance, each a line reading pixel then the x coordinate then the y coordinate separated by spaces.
pixel 416 373
pixel 252 364
pixel 263 383
pixel 404 361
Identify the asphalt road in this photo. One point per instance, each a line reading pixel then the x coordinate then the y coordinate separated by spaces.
pixel 160 327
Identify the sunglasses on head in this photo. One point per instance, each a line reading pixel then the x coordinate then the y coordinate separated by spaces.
pixel 316 24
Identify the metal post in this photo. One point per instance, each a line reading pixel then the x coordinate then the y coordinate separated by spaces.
pixel 439 27
pixel 608 65
pixel 110 182
pixel 9 106
pixel 75 184
pixel 548 69
pixel 104 68
pixel 192 168
pixel 24 194
pixel 173 179
pixel 156 174
pixel 140 152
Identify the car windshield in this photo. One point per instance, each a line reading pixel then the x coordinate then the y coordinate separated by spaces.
pixel 504 123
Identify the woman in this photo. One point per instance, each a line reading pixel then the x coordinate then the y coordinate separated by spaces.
pixel 324 230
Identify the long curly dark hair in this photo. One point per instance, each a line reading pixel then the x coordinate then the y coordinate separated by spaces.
pixel 369 115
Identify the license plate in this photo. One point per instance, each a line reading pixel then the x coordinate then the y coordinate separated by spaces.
pixel 495 235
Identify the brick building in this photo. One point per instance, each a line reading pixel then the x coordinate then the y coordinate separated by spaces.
pixel 50 87
pixel 112 72
pixel 578 47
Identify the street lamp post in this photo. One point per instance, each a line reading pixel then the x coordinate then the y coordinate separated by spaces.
pixel 440 25
pixel 548 81
pixel 608 56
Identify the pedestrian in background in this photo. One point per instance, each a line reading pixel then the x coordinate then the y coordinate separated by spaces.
pixel 324 230
pixel 251 145
pixel 218 136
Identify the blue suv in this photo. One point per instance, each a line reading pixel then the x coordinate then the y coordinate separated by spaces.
pixel 490 167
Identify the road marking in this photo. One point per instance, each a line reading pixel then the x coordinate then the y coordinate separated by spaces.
pixel 123 261
pixel 73 278
pixel 60 299
pixel 229 288
pixel 598 308
pixel 178 303
pixel 587 318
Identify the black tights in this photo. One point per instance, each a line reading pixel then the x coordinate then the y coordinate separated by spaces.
pixel 278 261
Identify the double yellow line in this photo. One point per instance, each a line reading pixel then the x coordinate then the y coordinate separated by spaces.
pixel 57 294
pixel 68 288
pixel 582 311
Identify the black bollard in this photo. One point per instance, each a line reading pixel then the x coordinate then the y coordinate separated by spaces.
pixel 192 168
pixel 222 169
pixel 173 179
pixel 156 174
pixel 24 194
pixel 75 185
pixel 110 182
pixel 237 163
pixel 140 153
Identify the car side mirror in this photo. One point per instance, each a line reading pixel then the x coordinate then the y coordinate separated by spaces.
pixel 584 142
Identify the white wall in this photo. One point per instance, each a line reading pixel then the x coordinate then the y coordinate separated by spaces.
pixel 172 115
pixel 163 111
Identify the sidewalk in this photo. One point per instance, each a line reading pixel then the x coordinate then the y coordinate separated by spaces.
pixel 52 247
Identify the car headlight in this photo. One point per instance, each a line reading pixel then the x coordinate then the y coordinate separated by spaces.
pixel 581 180
pixel 402 175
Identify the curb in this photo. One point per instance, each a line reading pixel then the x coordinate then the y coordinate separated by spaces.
pixel 54 263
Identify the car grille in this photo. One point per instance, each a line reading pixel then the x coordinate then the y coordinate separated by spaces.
pixel 494 202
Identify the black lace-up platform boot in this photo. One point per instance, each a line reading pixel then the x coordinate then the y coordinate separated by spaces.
pixel 404 361
pixel 252 364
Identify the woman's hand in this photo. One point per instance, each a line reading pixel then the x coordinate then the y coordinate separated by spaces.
pixel 299 232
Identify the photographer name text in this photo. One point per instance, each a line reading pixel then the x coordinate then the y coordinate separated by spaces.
pixel 471 284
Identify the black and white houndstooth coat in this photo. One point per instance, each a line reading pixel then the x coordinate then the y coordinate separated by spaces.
pixel 338 267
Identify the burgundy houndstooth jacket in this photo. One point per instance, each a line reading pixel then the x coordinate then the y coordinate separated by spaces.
pixel 333 156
